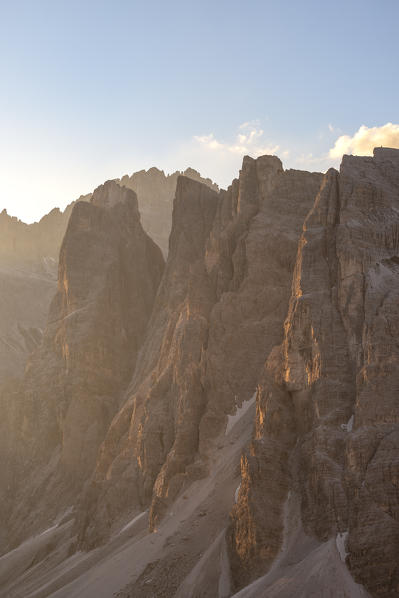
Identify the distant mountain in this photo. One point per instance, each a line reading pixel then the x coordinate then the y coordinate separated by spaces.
pixel 35 245
pixel 28 280
pixel 155 192
pixel 39 243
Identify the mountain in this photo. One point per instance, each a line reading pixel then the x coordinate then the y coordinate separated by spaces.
pixel 108 275
pixel 225 291
pixel 28 278
pixel 29 262
pixel 37 243
pixel 326 440
pixel 225 425
pixel 155 192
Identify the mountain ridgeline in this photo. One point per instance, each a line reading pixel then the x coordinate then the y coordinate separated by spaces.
pixel 225 423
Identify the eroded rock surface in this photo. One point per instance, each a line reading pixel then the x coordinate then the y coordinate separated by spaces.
pixel 217 314
pixel 29 261
pixel 156 191
pixel 327 406
pixel 109 272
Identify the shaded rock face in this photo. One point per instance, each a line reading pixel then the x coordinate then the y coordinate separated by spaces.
pixel 109 272
pixel 327 405
pixel 37 243
pixel 155 192
pixel 29 260
pixel 25 296
pixel 217 314
pixel 28 281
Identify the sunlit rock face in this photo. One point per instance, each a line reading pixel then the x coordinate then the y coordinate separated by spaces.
pixel 109 272
pixel 327 406
pixel 218 312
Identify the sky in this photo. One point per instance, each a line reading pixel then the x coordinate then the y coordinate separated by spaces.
pixel 95 89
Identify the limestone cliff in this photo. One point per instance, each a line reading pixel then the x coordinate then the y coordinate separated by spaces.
pixel 29 261
pixel 109 272
pixel 217 314
pixel 327 406
pixel 155 192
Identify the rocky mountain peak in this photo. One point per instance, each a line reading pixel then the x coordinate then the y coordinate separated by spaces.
pixel 109 273
pixel 223 262
pixel 327 411
pixel 386 153
pixel 265 162
pixel 110 194
pixel 156 191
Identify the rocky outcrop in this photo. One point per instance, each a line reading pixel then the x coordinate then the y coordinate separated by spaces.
pixel 327 406
pixel 38 244
pixel 109 272
pixel 155 192
pixel 29 261
pixel 217 314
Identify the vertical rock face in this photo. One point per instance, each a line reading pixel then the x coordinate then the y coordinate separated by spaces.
pixel 155 192
pixel 109 272
pixel 166 381
pixel 327 405
pixel 217 314
pixel 29 260
pixel 250 258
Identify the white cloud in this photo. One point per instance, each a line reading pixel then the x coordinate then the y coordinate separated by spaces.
pixel 221 158
pixel 209 141
pixel 250 123
pixel 249 140
pixel 365 140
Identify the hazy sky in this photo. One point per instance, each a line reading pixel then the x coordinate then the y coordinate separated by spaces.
pixel 91 90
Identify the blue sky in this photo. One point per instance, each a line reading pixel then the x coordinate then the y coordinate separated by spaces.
pixel 92 90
